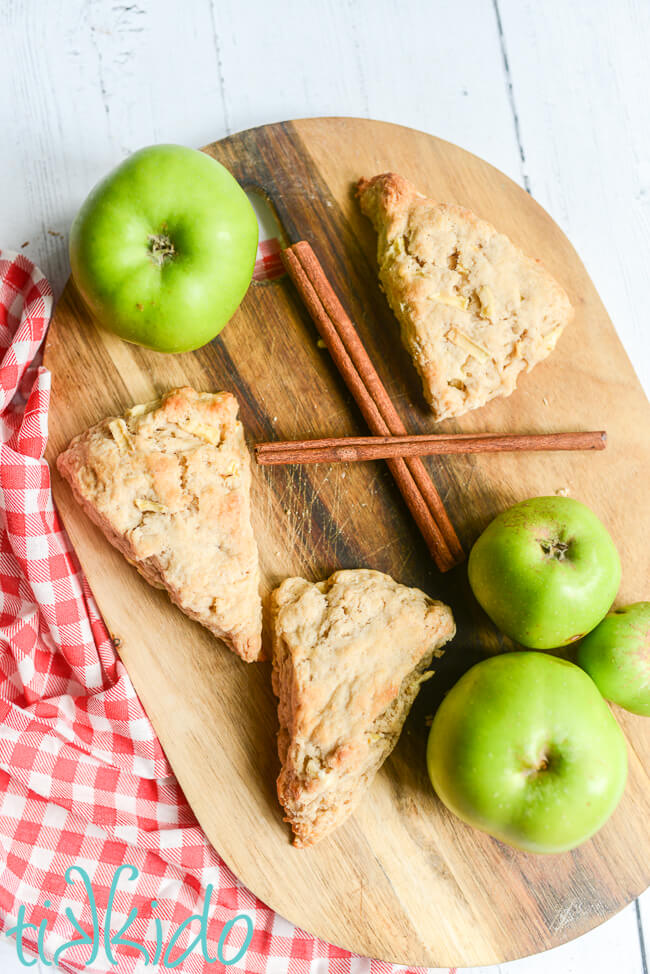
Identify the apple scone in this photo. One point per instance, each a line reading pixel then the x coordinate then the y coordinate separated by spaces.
pixel 474 310
pixel 169 485
pixel 349 657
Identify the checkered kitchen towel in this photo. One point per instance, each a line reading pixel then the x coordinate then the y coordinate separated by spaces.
pixel 84 785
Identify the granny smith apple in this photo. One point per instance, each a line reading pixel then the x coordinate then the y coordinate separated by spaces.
pixel 524 747
pixel 163 249
pixel 546 571
pixel 616 655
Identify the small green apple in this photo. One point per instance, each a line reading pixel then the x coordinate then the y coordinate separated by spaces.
pixel 524 747
pixel 546 571
pixel 163 249
pixel 616 655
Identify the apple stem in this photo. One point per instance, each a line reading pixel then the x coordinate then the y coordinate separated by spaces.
pixel 556 549
pixel 161 248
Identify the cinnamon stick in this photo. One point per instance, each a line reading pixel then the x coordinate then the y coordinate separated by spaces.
pixel 352 361
pixel 350 449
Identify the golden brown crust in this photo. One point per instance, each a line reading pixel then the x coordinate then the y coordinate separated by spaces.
pixel 169 485
pixel 349 656
pixel 474 310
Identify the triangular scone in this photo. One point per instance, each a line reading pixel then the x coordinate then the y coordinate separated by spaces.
pixel 169 485
pixel 474 311
pixel 349 655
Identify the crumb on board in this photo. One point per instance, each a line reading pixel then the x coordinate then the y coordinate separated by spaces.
pixel 561 491
pixel 25 244
pixel 545 401
pixel 428 720
pixel 320 343
pixel 55 233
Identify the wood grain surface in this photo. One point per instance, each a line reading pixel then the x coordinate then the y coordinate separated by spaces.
pixel 402 879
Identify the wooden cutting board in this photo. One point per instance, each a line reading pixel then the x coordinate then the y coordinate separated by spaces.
pixel 402 880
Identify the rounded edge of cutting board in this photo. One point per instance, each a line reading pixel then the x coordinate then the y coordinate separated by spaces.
pixel 303 158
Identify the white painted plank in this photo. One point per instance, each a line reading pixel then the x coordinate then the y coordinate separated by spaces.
pixel 85 84
pixel 91 81
pixel 643 919
pixel 372 58
pixel 581 78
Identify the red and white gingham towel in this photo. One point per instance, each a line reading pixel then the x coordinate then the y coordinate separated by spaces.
pixel 83 779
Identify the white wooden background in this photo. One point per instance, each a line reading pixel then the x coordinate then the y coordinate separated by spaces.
pixel 553 92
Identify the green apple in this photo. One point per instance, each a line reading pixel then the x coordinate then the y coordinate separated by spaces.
pixel 546 571
pixel 163 249
pixel 524 747
pixel 616 655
